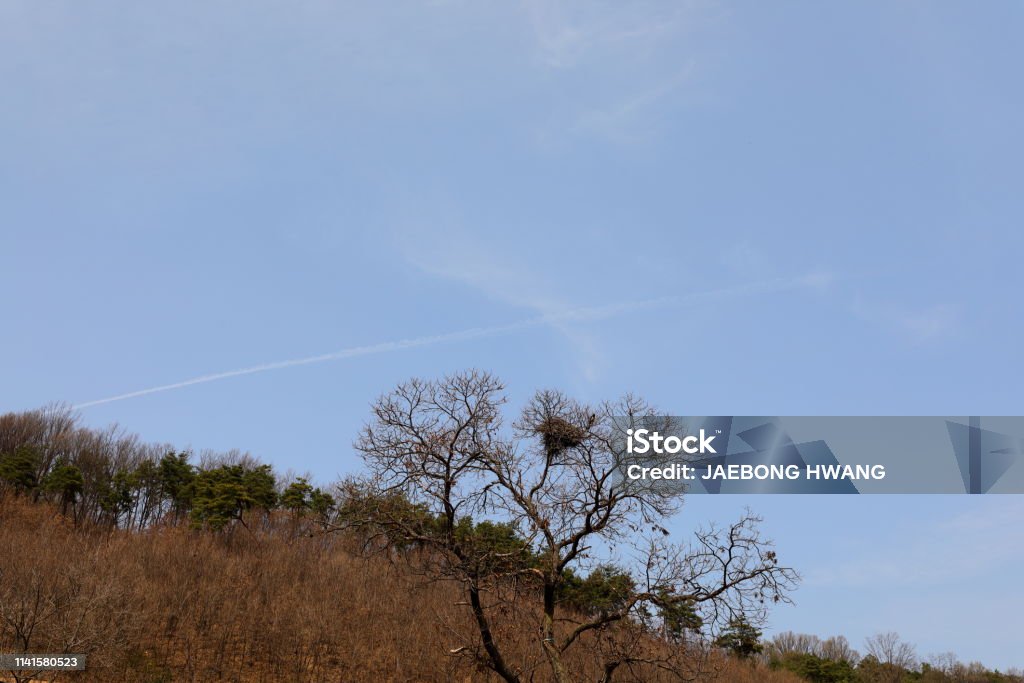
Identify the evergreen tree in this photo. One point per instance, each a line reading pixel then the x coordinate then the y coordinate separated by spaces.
pixel 177 476
pixel 321 503
pixel 225 493
pixel 67 481
pixel 118 498
pixel 741 638
pixel 296 497
pixel 678 618
pixel 605 590
pixel 19 469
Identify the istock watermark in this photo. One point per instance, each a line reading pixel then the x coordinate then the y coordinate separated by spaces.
pixel 825 454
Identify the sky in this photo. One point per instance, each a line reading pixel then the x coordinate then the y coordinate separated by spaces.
pixel 786 208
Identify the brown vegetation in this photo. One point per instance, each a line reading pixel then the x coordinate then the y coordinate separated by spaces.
pixel 467 553
pixel 476 556
pixel 274 604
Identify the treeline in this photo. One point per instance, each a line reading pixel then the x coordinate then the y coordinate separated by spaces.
pixel 162 569
pixel 164 566
pixel 887 658
pixel 111 478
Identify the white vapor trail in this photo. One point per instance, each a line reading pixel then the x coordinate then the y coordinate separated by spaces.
pixel 575 315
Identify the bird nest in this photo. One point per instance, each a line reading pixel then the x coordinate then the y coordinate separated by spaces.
pixel 560 435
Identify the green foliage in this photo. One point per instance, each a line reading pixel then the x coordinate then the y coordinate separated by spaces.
pixel 301 497
pixel 678 616
pixel 870 670
pixel 118 494
pixel 816 669
pixel 129 486
pixel 65 480
pixel 606 590
pixel 296 495
pixel 224 493
pixel 741 638
pixel 18 469
pixel 321 503
pixel 493 547
pixel 499 538
pixel 395 516
pixel 487 548
pixel 177 477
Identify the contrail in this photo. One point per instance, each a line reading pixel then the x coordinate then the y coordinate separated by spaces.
pixel 575 315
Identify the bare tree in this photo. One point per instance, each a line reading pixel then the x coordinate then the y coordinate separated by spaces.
pixel 892 652
pixel 553 487
pixel 789 642
pixel 58 593
pixel 837 648
pixel 947 664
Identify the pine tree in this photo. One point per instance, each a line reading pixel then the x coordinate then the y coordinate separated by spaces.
pixel 741 638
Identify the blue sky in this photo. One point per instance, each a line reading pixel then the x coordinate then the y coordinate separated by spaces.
pixel 826 197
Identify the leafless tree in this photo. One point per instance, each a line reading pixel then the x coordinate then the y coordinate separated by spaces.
pixel 893 652
pixel 59 594
pixel 789 642
pixel 438 455
pixel 948 664
pixel 837 648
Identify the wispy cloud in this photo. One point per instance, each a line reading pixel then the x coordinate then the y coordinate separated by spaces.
pixel 932 322
pixel 568 34
pixel 916 325
pixel 618 120
pixel 641 56
pixel 464 260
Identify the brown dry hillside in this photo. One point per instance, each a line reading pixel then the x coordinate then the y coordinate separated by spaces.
pixel 273 604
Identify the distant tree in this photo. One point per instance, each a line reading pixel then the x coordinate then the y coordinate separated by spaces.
pixel 606 590
pixel 118 496
pixel 816 669
pixel 177 478
pixel 223 494
pixel 438 454
pixel 149 495
pixel 821 661
pixel 303 498
pixel 837 649
pixel 895 656
pixel 679 619
pixel 66 481
pixel 945 663
pixel 321 503
pixel 296 496
pixel 18 469
pixel 44 431
pixel 788 642
pixel 741 638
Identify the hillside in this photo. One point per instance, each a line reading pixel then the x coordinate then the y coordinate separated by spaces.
pixel 260 606
pixel 162 567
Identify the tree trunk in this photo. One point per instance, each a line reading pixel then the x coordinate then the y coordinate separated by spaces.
pixel 548 634
pixel 497 661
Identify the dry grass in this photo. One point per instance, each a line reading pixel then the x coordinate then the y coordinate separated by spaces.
pixel 175 605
